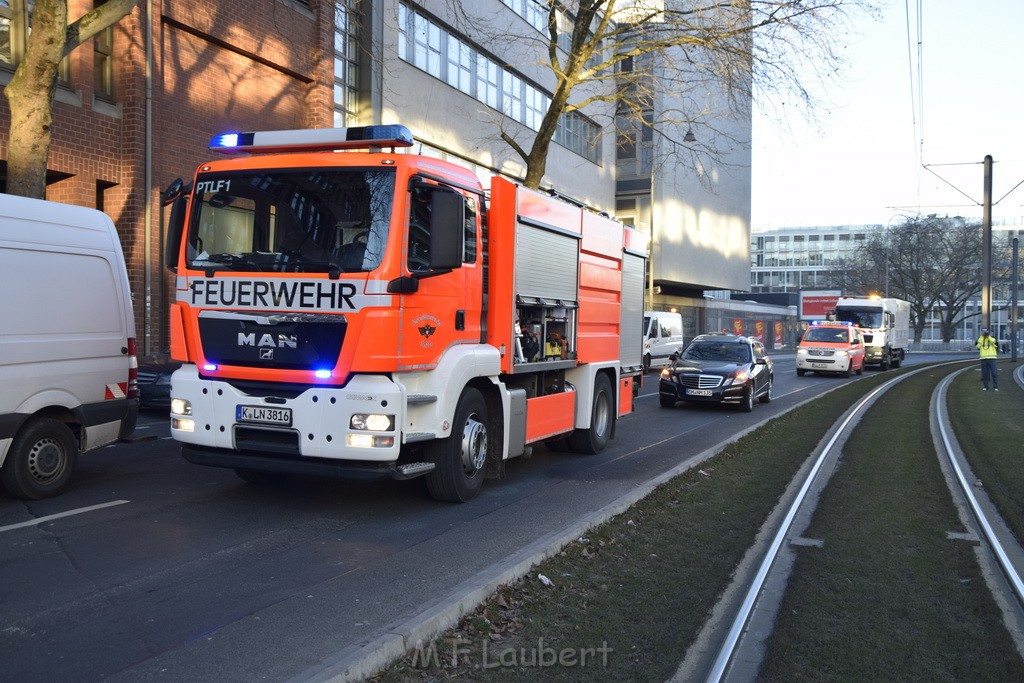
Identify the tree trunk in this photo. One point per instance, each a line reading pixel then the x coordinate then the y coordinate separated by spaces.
pixel 30 95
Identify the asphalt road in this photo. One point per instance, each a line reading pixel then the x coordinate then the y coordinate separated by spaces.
pixel 188 573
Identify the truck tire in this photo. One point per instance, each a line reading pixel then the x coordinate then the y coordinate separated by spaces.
pixel 41 459
pixel 461 458
pixel 886 360
pixel 595 438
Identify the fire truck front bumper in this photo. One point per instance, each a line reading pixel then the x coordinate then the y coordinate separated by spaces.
pixel 358 423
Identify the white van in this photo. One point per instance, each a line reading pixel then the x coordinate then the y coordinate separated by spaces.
pixel 663 338
pixel 68 368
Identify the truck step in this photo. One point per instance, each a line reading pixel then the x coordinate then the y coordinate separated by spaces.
pixel 421 398
pixel 413 469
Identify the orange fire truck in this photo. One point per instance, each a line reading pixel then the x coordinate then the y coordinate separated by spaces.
pixel 371 312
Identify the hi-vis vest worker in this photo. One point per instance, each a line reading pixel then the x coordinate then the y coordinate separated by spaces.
pixel 344 314
pixel 987 345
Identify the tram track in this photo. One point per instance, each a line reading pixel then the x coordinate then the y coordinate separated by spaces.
pixel 746 623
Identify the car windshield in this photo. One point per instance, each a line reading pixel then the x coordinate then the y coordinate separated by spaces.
pixel 826 334
pixel 720 351
pixel 285 220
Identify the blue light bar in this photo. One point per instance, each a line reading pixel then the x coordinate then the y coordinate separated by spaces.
pixel 210 367
pixel 322 374
pixel 313 139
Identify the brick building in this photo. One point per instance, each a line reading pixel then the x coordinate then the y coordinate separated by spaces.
pixel 137 105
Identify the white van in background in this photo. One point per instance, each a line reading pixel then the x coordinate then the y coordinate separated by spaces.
pixel 68 370
pixel 663 338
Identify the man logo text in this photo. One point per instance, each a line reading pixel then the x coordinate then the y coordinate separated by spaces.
pixel 267 340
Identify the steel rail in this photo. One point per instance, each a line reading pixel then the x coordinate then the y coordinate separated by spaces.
pixel 726 652
pixel 1009 571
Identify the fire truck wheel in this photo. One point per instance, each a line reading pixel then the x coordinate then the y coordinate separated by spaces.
pixel 594 439
pixel 460 459
pixel 41 460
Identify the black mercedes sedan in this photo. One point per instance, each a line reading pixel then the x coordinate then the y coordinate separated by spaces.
pixel 719 368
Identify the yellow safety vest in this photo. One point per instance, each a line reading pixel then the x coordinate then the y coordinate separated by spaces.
pixel 988 347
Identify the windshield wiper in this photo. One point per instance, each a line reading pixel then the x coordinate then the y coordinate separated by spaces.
pixel 227 260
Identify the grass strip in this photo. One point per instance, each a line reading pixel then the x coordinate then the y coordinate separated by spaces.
pixel 628 600
pixel 888 597
pixel 989 428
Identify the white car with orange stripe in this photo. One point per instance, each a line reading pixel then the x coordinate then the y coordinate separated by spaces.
pixel 68 363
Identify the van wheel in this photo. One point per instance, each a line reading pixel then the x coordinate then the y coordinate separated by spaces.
pixel 41 460
pixel 459 460
pixel 594 439
pixel 800 372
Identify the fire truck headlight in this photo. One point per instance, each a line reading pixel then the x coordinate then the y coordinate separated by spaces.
pixel 180 406
pixel 373 423
pixel 370 441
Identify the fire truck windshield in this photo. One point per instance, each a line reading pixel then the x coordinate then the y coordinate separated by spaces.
pixel 288 220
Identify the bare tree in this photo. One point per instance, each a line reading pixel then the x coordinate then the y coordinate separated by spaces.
pixel 934 263
pixel 31 90
pixel 624 53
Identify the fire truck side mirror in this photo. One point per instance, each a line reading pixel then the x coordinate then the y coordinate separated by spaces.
pixel 447 229
pixel 175 229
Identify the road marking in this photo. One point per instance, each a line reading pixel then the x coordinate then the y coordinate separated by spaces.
pixel 33 522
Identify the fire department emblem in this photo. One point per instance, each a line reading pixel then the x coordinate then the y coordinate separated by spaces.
pixel 426 325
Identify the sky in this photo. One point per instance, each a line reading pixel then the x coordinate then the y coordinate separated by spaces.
pixel 861 161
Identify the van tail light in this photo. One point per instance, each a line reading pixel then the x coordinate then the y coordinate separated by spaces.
pixel 133 370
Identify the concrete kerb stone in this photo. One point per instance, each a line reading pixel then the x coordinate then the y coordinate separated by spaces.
pixel 361 662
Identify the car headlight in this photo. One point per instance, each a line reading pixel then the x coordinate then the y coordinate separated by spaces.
pixel 739 378
pixel 665 373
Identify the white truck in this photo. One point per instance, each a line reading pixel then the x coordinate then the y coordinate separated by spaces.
pixel 885 324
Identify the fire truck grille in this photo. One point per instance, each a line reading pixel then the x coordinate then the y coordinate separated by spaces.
pixel 285 342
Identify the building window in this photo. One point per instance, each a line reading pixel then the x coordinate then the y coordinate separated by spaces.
pixel 537 104
pixel 103 64
pixel 460 65
pixel 346 64
pixel 496 87
pixel 427 45
pixel 13 40
pixel 487 81
pixel 512 89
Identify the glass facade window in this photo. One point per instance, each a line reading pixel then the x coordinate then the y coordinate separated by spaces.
pixel 346 64
pixel 487 81
pixel 438 52
pixel 427 45
pixel 460 65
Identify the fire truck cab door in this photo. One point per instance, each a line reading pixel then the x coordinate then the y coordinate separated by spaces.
pixel 442 254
